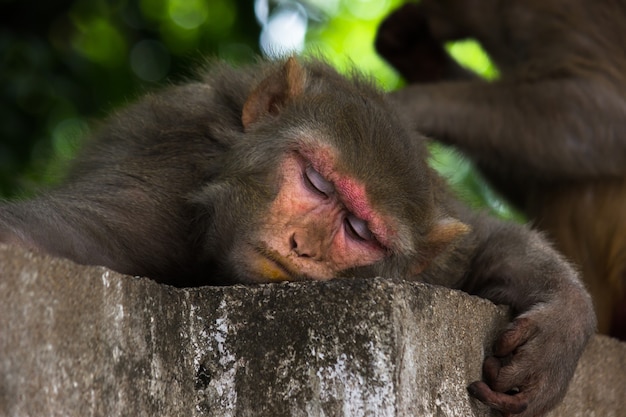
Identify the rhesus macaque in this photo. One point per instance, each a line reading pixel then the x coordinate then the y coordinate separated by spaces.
pixel 549 134
pixel 289 171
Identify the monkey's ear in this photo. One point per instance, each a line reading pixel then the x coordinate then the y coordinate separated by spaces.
pixel 444 233
pixel 274 92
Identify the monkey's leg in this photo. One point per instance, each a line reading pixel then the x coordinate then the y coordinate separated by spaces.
pixel 586 222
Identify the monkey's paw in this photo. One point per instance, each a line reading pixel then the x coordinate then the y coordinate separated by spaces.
pixel 530 369
pixel 405 41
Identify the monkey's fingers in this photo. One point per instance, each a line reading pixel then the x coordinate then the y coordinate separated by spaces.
pixel 505 403
pixel 507 378
pixel 491 370
pixel 519 332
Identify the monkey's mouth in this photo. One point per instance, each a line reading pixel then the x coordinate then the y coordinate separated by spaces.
pixel 271 265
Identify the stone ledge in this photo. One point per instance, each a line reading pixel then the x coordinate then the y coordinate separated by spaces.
pixel 78 341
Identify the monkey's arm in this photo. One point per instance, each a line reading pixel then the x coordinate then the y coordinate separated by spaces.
pixel 540 117
pixel 485 120
pixel 118 228
pixel 535 357
pixel 58 226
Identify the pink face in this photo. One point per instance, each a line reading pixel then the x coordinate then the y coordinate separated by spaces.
pixel 319 224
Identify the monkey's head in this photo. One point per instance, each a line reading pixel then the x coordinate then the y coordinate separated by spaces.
pixel 323 183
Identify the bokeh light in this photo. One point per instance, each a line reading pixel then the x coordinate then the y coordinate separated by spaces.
pixel 283 28
pixel 150 60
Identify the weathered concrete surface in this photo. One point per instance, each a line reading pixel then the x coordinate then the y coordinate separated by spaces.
pixel 84 341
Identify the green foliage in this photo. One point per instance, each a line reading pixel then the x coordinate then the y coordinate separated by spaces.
pixel 73 61
pixel 100 42
pixel 347 38
pixel 470 54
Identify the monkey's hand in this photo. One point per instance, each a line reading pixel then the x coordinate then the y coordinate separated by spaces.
pixel 534 359
pixel 404 39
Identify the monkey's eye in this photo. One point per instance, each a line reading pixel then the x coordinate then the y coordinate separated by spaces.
pixel 316 182
pixel 357 228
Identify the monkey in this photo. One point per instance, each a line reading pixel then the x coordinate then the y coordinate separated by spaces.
pixel 288 171
pixel 547 133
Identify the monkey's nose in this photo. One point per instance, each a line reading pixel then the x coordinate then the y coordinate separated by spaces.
pixel 301 247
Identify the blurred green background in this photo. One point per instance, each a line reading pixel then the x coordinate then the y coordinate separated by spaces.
pixel 65 63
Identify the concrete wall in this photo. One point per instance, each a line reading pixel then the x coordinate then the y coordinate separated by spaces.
pixel 85 341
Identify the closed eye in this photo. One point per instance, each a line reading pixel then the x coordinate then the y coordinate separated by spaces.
pixel 316 182
pixel 357 228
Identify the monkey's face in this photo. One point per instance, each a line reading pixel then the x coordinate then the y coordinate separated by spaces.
pixel 319 224
pixel 346 193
